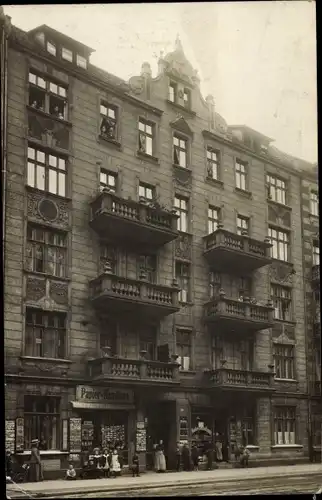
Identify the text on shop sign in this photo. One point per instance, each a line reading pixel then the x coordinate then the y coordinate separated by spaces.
pixel 91 394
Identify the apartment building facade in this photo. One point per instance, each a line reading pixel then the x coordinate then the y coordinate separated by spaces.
pixel 154 284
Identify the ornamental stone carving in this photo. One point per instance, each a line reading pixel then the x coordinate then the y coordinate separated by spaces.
pixel 183 248
pixel 58 291
pixel 182 177
pixel 36 288
pixel 43 208
pixel 281 273
pixel 279 215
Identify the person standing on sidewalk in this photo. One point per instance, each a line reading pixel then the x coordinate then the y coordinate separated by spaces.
pixel 35 470
pixel 115 465
pixel 210 457
pixel 178 457
pixel 195 457
pixel 186 458
pixel 135 465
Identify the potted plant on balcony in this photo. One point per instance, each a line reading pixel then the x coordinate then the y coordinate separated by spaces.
pixel 106 351
pixel 107 267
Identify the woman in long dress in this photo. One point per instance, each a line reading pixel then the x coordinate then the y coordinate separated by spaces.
pixel 115 465
pixel 35 470
pixel 160 462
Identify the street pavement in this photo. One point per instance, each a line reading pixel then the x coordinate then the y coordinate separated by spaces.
pixel 283 479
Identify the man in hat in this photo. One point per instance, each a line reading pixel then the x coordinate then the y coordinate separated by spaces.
pixel 35 470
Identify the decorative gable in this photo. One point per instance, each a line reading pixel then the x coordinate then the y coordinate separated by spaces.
pixel 181 125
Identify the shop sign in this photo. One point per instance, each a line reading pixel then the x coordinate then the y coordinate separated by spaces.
pixel 51 464
pixel 75 434
pixel 89 394
pixel 140 436
pixel 10 435
pixel 20 434
pixel 65 435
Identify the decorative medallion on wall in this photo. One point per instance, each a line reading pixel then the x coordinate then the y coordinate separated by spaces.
pixel 183 248
pixel 279 215
pixel 282 273
pixel 182 177
pixel 43 208
pixel 58 291
pixel 36 288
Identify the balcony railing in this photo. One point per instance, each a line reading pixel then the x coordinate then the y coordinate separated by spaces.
pixel 135 370
pixel 232 313
pixel 241 379
pixel 226 250
pixel 133 295
pixel 132 221
pixel 316 273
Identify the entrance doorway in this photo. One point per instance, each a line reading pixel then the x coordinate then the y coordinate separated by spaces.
pixel 161 424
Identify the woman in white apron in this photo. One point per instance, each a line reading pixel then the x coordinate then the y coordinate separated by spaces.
pixel 115 465
pixel 160 462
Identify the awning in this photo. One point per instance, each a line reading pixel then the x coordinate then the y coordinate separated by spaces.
pixel 100 406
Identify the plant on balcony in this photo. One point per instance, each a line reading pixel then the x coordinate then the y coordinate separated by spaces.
pixel 106 351
pixel 223 362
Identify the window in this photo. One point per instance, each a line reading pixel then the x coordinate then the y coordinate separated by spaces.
pixel 46 251
pixel 282 302
pixel 179 151
pixel 108 255
pixel 186 98
pixel 108 336
pixel 280 242
pixel 213 218
pixel 145 138
pixel 316 253
pixel 51 48
pixel 67 54
pixel 212 164
pixel 247 427
pixel 284 425
pixel 314 203
pixel 184 349
pixel 242 225
pixel 183 278
pixel 181 206
pixel 244 288
pixel 42 419
pixel 46 172
pixel 45 334
pixel 146 191
pixel 108 180
pixel 172 92
pixel 214 284
pixel 240 175
pixel 108 121
pixel 284 361
pixel 147 264
pixel 276 189
pixel 81 61
pixel 47 96
pixel 148 343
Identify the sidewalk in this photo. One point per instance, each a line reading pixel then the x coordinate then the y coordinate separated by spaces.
pixel 153 480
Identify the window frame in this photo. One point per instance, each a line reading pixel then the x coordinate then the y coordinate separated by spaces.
pixel 32 242
pixel 187 102
pixel 144 186
pixel 44 328
pixel 68 50
pixel 280 191
pixel 211 163
pixel 143 133
pixel 48 94
pixel 183 345
pixel 174 86
pixel 177 149
pixel 183 213
pixel 242 224
pixel 285 415
pixel 314 203
pixel 282 313
pixel 239 174
pixel 60 173
pixel 280 246
pixel 82 65
pixel 184 280
pixel 109 174
pixel 315 253
pixel 33 419
pixel 151 271
pixel 52 44
pixel 284 361
pixel 213 221
pixel 114 122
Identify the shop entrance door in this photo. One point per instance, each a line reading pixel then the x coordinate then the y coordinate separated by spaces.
pixel 161 419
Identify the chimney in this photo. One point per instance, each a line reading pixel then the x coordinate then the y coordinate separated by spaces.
pixel 146 74
pixel 211 110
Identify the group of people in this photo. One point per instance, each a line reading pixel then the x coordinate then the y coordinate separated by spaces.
pixel 100 463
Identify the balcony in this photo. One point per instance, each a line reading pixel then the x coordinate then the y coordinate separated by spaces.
pixel 225 378
pixel 233 315
pixel 132 222
pixel 137 371
pixel 316 274
pixel 139 297
pixel 232 252
pixel 51 131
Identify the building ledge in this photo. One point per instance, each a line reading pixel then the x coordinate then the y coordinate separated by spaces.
pixel 43 452
pixel 243 192
pixel 294 381
pixel 287 446
pixel 252 447
pixel 46 360
pixel 281 205
pixel 146 157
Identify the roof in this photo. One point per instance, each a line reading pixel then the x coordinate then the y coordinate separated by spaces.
pixel 249 129
pixel 61 36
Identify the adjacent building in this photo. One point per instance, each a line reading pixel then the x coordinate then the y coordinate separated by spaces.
pixel 157 283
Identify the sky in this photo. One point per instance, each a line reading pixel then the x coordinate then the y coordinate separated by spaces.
pixel 258 59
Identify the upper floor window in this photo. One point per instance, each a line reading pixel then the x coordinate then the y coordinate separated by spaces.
pixel 46 251
pixel 183 272
pixel 81 61
pixel 280 242
pixel 46 171
pixel 108 336
pixel 314 203
pixel 284 425
pixel 276 189
pixel 282 302
pixel 172 92
pixel 316 253
pixel 147 264
pixel 214 284
pixel 147 338
pixel 241 175
pixel 145 137
pixel 180 151
pixel 108 255
pixel 51 48
pixel 184 348
pixel 244 288
pixel 67 54
pixel 146 191
pixel 213 218
pixel 181 206
pixel 284 361
pixel 242 225
pixel 47 96
pixel 186 98
pixel 212 164
pixel 108 180
pixel 108 121
pixel 45 334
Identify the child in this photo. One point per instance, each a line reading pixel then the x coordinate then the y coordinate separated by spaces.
pixel 244 458
pixel 115 465
pixel 70 473
pixel 135 465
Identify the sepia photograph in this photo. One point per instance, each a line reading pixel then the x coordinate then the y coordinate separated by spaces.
pixel 160 247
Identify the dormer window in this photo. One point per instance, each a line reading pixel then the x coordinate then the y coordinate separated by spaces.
pixel 51 48
pixel 172 92
pixel 67 54
pixel 81 61
pixel 186 98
